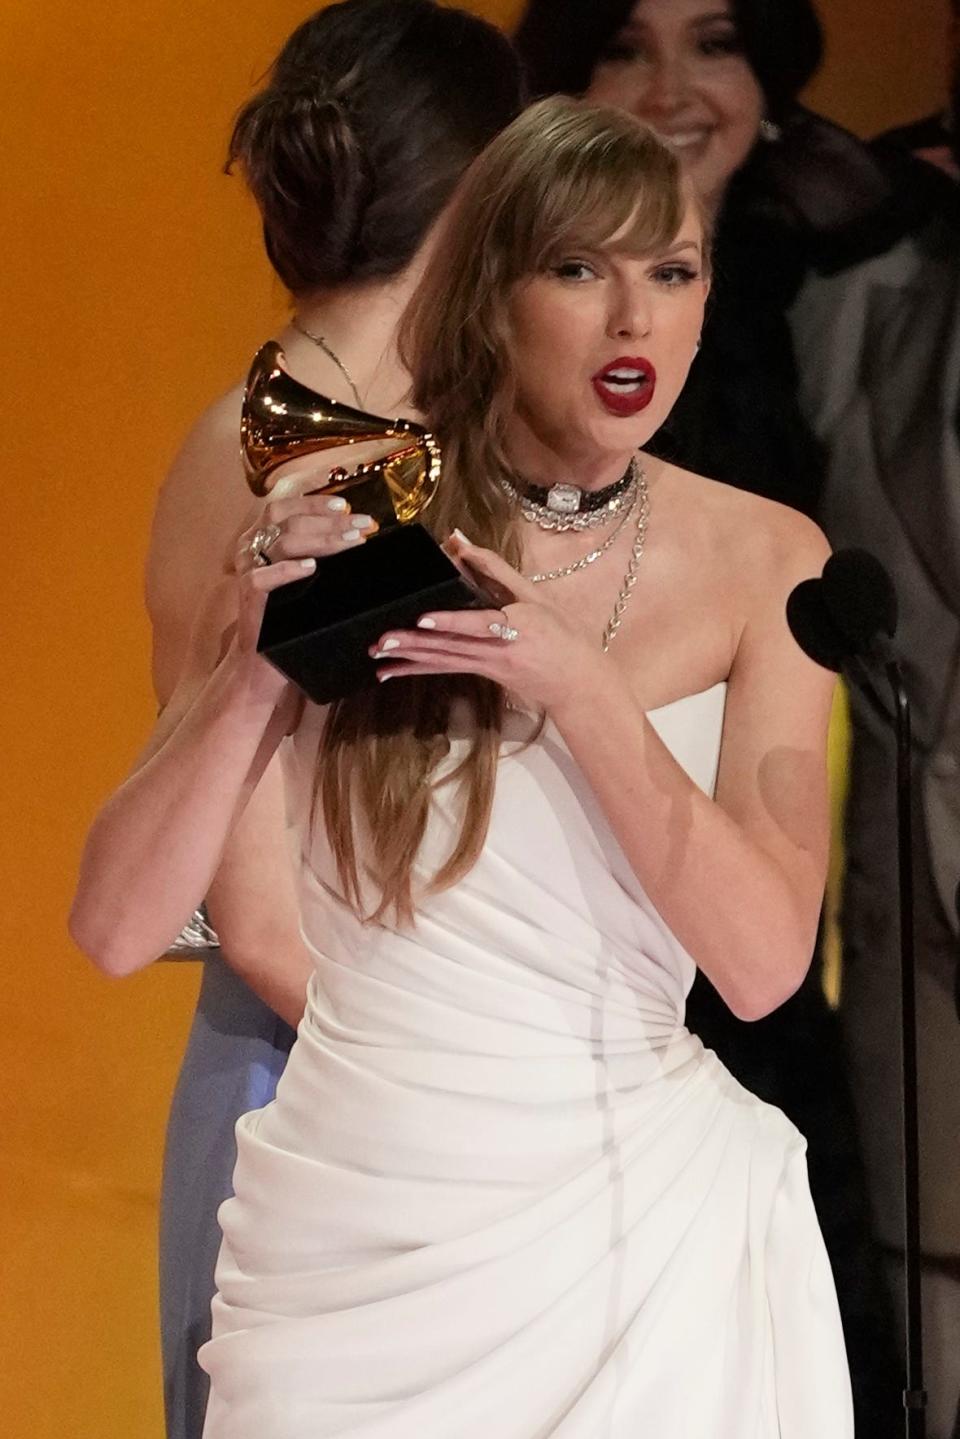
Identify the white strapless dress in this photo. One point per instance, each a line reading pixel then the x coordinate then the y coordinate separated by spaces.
pixel 502 1193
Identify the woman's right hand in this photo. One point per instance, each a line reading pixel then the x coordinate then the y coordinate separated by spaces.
pixel 303 529
pixel 224 720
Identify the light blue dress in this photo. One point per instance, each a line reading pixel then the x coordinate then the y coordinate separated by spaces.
pixel 236 1052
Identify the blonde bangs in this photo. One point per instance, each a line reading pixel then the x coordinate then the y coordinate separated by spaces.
pixel 595 180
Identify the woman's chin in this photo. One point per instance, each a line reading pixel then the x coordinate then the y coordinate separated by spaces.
pixel 630 432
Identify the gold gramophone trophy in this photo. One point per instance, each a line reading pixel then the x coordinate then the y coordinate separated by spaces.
pixel 318 631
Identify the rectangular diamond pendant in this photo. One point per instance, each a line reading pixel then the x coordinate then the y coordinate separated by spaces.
pixel 563 499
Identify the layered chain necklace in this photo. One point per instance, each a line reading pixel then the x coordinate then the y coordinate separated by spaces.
pixel 626 496
pixel 591 556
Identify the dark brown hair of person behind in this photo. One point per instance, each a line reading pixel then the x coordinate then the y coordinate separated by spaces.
pixel 372 112
pixel 561 41
pixel 562 177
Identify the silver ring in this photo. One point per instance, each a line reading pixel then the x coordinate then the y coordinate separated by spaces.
pixel 260 542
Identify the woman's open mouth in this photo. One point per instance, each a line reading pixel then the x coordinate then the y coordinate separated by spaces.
pixel 625 386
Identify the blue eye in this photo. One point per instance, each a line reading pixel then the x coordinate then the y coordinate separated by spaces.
pixel 674 275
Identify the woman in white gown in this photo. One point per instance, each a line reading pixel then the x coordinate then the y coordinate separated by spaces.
pixel 502 1191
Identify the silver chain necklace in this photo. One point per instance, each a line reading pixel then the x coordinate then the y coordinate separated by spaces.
pixel 630 576
pixel 634 564
pixel 639 492
pixel 321 342
pixel 628 584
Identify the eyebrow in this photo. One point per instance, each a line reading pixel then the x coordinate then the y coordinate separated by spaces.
pixel 682 245
pixel 675 249
pixel 637 22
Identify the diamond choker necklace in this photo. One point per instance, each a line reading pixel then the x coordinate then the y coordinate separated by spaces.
pixel 566 507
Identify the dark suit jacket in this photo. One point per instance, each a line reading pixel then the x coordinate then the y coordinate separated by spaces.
pixel 878 348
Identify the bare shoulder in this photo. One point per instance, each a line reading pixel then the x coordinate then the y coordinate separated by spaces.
pixel 216 430
pixel 759 546
pixel 202 504
pixel 776 693
pixel 205 480
pixel 778 546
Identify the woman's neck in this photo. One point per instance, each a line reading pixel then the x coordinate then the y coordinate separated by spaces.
pixel 552 460
pixel 358 324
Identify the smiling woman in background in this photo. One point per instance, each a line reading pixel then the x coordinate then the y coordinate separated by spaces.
pixel 787 192
pixel 684 63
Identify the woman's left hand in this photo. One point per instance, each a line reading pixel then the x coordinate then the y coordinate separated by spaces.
pixel 530 648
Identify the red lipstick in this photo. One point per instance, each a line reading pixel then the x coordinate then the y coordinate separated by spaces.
pixel 626 385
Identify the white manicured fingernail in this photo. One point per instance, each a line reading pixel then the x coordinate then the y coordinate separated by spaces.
pixel 336 505
pixel 389 645
pixel 459 535
pixel 350 536
pixel 308 564
pixel 426 623
pixel 361 522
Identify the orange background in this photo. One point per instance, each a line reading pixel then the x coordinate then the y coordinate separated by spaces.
pixel 135 291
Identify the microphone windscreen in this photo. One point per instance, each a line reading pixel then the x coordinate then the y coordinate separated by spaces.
pixel 813 628
pixel 860 597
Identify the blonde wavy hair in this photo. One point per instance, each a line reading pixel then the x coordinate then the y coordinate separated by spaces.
pixel 561 178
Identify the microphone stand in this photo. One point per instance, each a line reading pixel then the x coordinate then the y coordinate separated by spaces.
pixel 845 621
pixel 914 1395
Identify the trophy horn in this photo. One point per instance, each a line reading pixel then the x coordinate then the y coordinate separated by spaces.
pixel 283 419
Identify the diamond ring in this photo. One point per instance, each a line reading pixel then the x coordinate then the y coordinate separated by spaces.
pixel 260 542
pixel 504 632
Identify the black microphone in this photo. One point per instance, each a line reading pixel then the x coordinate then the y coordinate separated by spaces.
pixel 860 598
pixel 813 627
pixel 846 621
pixel 848 615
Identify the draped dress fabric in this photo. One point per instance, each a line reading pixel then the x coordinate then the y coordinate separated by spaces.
pixel 502 1193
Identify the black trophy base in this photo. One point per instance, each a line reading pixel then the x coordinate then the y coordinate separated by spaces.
pixel 318 631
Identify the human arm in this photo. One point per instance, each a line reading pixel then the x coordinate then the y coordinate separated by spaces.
pixel 253 906
pixel 251 902
pixel 737 878
pixel 203 504
pixel 156 845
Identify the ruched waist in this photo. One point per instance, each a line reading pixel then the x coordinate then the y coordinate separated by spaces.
pixel 535 992
pixel 460 1100
pixel 485 1048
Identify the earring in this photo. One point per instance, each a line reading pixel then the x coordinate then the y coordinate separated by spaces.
pixel 770 131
